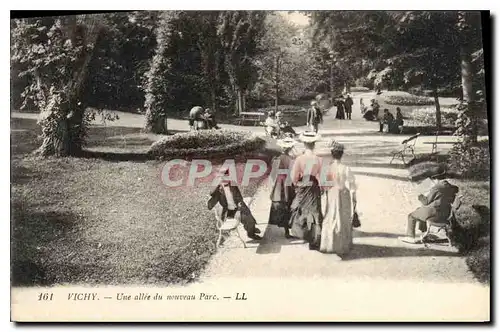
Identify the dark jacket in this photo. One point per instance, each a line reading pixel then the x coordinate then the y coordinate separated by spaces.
pixel 437 204
pixel 217 195
pixel 348 104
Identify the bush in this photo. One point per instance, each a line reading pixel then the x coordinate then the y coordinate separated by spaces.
pixel 364 82
pixel 471 162
pixel 427 116
pixel 205 143
pixel 425 169
pixel 408 100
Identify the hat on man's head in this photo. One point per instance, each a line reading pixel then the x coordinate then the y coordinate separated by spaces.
pixel 336 146
pixel 313 102
pixel 309 137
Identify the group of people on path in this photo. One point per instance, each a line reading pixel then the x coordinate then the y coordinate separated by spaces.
pixel 308 209
pixel 276 127
pixel 344 107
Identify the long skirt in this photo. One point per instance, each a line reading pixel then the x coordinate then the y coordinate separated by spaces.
pixel 336 236
pixel 279 214
pixel 306 218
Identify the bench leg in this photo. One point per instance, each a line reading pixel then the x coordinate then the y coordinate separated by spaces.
pixel 241 239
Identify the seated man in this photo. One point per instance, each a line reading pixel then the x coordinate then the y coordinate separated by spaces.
pixel 210 119
pixel 437 205
pixel 272 126
pixel 387 120
pixel 229 197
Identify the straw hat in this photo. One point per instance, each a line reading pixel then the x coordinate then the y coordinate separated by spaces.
pixel 313 102
pixel 309 137
pixel 286 143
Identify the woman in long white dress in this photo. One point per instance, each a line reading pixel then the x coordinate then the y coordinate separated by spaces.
pixel 336 234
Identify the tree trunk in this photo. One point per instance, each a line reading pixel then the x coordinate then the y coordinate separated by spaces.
pixel 332 94
pixel 438 109
pixel 240 100
pixel 276 87
pixel 468 94
pixel 61 120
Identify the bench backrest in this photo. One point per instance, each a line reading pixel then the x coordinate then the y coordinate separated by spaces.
pixel 412 138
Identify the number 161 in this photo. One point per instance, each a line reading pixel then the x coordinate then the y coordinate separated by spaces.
pixel 45 296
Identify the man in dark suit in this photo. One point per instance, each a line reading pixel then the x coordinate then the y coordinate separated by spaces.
pixel 348 106
pixel 231 201
pixel 437 205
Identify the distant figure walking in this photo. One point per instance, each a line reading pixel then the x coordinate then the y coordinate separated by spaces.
pixel 348 106
pixel 340 109
pixel 314 116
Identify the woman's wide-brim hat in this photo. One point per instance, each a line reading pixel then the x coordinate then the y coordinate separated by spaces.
pixel 309 137
pixel 286 142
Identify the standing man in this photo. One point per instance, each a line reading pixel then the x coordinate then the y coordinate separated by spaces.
pixel 314 116
pixel 348 106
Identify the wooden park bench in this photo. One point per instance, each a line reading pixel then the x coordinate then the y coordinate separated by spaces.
pixel 435 143
pixel 408 146
pixel 254 117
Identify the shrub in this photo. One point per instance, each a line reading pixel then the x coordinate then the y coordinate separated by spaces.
pixel 425 169
pixel 205 143
pixel 471 162
pixel 427 116
pixel 408 100
pixel 364 82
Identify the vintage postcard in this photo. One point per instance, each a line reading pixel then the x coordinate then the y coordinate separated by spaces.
pixel 250 166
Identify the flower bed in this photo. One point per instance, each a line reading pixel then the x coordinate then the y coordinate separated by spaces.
pixel 205 143
pixel 406 99
pixel 427 116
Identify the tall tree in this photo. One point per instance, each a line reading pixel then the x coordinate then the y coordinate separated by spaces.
pixel 239 32
pixel 56 53
pixel 157 89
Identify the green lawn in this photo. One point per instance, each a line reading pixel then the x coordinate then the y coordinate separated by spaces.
pixel 103 219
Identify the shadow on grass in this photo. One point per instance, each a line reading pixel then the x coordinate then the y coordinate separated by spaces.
pixel 31 233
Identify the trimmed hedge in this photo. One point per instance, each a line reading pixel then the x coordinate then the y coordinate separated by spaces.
pixel 205 143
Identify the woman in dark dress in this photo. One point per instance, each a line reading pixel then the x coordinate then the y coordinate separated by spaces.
pixel 306 218
pixel 283 190
pixel 340 109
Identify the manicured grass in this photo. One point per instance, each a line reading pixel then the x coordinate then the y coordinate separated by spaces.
pixel 104 220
